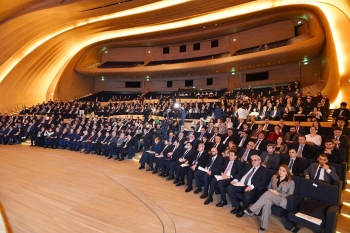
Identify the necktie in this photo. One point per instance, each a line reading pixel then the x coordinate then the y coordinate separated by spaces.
pixel 265 127
pixel 211 164
pixel 212 138
pixel 318 173
pixel 196 160
pixel 257 133
pixel 248 176
pixel 290 165
pixel 185 153
pixel 266 159
pixel 163 149
pixel 228 168
pixel 251 126
pixel 337 139
pixel 239 125
pixel 256 147
pixel 216 145
pixel 200 137
pixel 300 150
pixel 245 155
pixel 226 140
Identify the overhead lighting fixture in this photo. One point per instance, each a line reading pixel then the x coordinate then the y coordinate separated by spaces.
pixel 234 39
pixel 299 22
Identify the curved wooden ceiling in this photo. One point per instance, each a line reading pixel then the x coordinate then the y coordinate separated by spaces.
pixel 38 42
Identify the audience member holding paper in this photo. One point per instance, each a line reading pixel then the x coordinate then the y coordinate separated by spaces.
pixel 281 186
pixel 156 148
pixel 231 168
pixel 199 160
pixel 186 157
pixel 211 169
pixel 244 186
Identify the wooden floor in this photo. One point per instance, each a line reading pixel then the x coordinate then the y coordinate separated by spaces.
pixel 45 190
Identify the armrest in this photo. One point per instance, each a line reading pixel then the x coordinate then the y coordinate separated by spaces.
pixel 293 202
pixel 331 218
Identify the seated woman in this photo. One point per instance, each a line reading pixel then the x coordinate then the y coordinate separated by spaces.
pixel 314 114
pixel 231 147
pixel 313 138
pixel 281 186
pixel 287 114
pixel 281 146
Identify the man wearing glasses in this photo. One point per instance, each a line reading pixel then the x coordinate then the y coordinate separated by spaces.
pixel 245 154
pixel 212 167
pixel 244 186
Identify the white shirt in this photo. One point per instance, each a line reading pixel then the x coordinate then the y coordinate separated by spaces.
pixel 321 177
pixel 317 139
pixel 242 113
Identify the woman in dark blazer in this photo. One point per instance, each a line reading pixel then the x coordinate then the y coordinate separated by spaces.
pixel 281 186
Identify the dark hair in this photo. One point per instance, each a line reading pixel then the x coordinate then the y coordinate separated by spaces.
pixel 322 155
pixel 293 149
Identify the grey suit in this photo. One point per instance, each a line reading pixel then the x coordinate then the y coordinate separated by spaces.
pixel 268 199
pixel 273 161
pixel 328 177
pixel 295 137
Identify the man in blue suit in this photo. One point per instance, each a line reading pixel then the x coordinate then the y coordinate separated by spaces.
pixel 218 113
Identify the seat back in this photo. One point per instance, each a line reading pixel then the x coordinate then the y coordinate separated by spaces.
pixel 326 193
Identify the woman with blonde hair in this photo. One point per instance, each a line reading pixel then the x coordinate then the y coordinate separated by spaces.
pixel 281 186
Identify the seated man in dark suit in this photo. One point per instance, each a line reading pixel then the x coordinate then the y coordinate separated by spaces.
pixel 218 145
pixel 321 171
pixel 255 133
pixel 201 134
pixel 338 139
pixel 173 155
pixel 242 141
pixel 334 154
pixel 185 159
pixel 245 186
pixel 227 137
pixel 199 160
pixel 246 153
pixel 267 126
pixel 342 125
pixel 303 150
pixel 212 166
pixel 158 158
pixel 232 167
pixel 260 143
pixel 269 159
pixel 299 129
pixel 128 142
pixel 156 147
pixel 294 163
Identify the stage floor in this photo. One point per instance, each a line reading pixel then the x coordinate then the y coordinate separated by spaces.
pixel 45 190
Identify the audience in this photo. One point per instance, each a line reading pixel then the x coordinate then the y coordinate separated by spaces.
pixel 240 153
